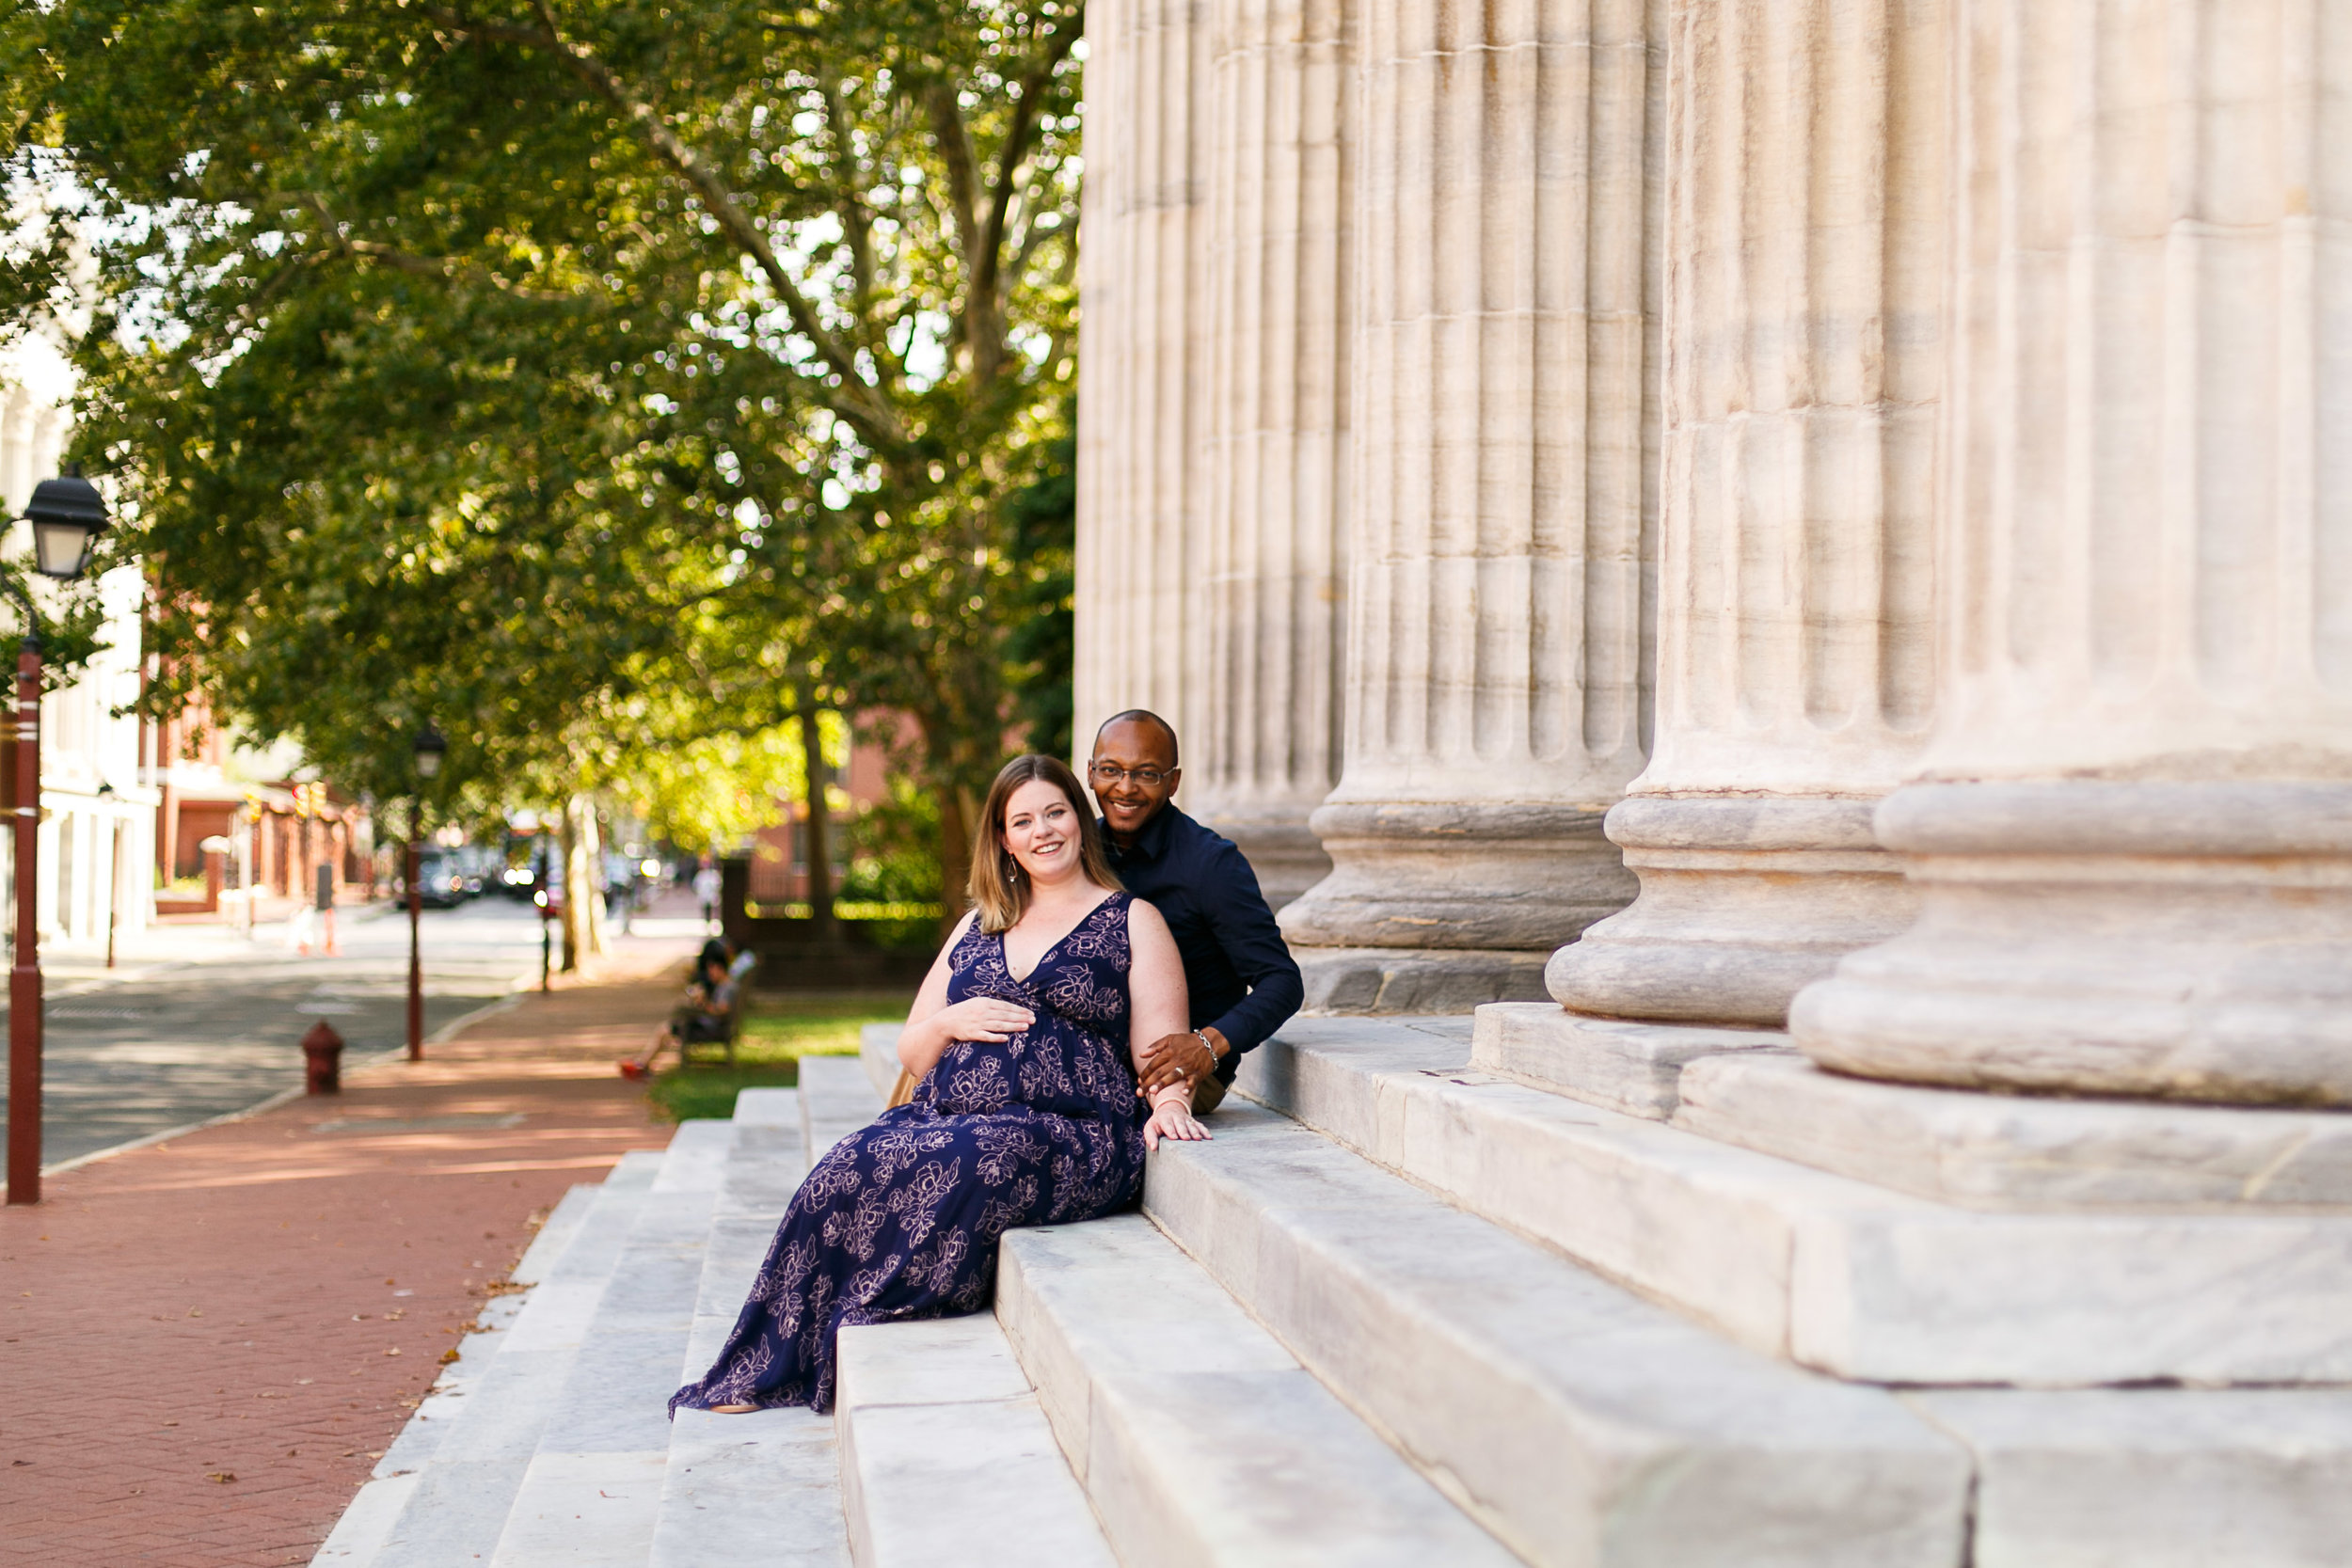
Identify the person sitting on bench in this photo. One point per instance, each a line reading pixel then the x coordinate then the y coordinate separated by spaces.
pixel 707 1017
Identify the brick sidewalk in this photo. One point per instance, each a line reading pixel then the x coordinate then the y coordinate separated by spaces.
pixel 204 1345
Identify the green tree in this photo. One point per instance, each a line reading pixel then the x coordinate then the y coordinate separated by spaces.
pixel 591 377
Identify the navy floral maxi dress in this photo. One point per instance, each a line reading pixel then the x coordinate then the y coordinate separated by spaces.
pixel 900 1220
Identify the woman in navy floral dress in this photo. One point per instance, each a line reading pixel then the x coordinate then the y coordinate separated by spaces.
pixel 1023 1037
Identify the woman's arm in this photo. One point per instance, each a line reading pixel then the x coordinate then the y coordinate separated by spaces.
pixel 1157 1007
pixel 932 1025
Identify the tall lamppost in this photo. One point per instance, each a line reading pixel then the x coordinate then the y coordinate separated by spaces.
pixel 428 750
pixel 68 516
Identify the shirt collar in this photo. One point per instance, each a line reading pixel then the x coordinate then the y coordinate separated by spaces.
pixel 1151 843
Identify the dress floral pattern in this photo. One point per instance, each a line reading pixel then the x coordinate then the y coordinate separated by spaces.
pixel 900 1220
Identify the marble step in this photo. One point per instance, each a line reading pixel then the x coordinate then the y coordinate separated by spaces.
pixel 878 1054
pixel 455 1505
pixel 421 1438
pixel 2155 1477
pixel 946 1455
pixel 836 1098
pixel 1863 1282
pixel 360 1533
pixel 591 1493
pixel 1584 1426
pixel 1198 1437
pixel 763 1488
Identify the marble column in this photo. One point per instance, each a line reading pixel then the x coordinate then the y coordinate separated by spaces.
pixel 1499 504
pixel 1806 209
pixel 1142 357
pixel 1263 753
pixel 2132 832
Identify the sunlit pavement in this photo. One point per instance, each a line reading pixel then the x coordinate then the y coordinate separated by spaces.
pixel 201 1020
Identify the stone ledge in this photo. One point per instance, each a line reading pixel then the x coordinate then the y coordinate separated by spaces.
pixel 1626 1066
pixel 1581 1424
pixel 2157 1478
pixel 2013 1151
pixel 1853 1279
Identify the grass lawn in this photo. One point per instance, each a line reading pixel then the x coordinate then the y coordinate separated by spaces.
pixel 780 1029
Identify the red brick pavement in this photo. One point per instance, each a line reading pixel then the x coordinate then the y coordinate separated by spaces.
pixel 204 1345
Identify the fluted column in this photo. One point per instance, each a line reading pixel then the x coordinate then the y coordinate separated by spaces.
pixel 2133 833
pixel 1496 688
pixel 1142 357
pixel 1806 191
pixel 1265 750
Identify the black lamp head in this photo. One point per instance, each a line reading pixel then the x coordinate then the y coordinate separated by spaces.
pixel 430 748
pixel 68 514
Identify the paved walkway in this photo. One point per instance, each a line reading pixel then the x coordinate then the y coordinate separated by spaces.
pixel 199 1022
pixel 205 1343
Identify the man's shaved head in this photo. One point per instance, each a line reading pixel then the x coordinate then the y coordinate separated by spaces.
pixel 1140 716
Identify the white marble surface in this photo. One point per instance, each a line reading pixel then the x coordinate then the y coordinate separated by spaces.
pixel 1262 748
pixel 1199 1439
pixel 1626 1066
pixel 1795 643
pixel 1501 534
pixel 2157 1478
pixel 461 1496
pixel 946 1456
pixel 1854 1279
pixel 1143 354
pixel 2013 1151
pixel 2128 828
pixel 1578 1422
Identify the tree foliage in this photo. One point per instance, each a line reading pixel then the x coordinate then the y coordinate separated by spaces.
pixel 590 377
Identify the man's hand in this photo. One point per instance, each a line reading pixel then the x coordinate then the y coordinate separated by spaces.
pixel 1175 1059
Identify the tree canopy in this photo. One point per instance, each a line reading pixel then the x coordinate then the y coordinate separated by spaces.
pixel 593 378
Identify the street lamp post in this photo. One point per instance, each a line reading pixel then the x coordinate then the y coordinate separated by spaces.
pixel 429 747
pixel 68 516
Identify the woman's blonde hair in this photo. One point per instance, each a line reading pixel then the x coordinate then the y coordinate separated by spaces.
pixel 1000 889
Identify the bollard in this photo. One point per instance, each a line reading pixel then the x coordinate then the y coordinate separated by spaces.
pixel 323 1059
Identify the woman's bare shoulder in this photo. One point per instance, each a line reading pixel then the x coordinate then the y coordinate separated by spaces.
pixel 1142 917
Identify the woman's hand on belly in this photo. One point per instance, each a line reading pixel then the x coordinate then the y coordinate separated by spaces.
pixel 983 1018
pixel 980 1019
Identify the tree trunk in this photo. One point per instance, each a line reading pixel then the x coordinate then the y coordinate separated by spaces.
pixel 818 840
pixel 584 884
pixel 958 811
pixel 569 901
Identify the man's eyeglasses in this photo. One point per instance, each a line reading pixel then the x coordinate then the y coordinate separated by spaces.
pixel 1110 773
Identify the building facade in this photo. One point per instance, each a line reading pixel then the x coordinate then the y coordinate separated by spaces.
pixel 98 802
pixel 1798 556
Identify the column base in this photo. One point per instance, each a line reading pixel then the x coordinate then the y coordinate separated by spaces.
pixel 1369 981
pixel 1745 901
pixel 2164 941
pixel 1847 1271
pixel 1475 876
pixel 2006 1152
pixel 1283 852
pixel 1630 1066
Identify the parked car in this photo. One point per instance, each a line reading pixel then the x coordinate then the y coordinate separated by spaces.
pixel 440 881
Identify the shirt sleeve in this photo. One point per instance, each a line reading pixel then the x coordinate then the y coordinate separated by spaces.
pixel 1253 945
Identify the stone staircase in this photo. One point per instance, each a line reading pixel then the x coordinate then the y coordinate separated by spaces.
pixel 1384 1317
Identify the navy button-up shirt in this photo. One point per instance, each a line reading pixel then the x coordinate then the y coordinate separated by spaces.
pixel 1242 979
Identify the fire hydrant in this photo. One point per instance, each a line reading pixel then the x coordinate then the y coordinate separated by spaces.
pixel 323 1059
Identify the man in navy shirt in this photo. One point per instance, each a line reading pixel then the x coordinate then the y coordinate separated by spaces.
pixel 1243 983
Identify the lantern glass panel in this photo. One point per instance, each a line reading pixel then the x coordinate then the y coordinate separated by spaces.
pixel 61 550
